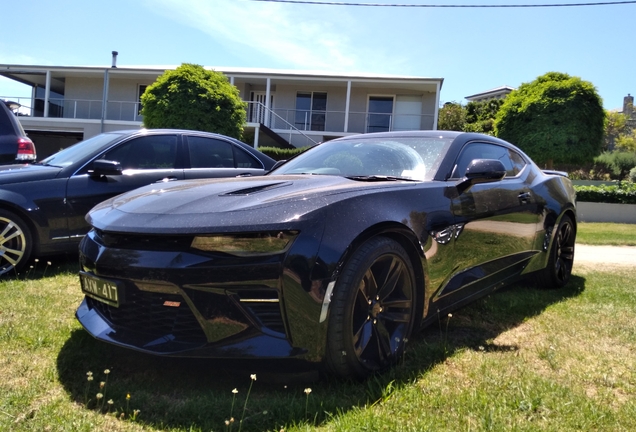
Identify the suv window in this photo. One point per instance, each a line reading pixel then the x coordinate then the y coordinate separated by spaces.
pixel 511 160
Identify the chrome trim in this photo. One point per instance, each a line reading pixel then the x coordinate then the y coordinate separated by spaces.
pixel 259 301
pixel 69 237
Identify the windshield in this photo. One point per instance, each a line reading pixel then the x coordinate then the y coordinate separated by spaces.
pixel 81 150
pixel 408 158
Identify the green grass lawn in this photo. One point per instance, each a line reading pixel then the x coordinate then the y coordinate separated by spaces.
pixel 606 234
pixel 521 359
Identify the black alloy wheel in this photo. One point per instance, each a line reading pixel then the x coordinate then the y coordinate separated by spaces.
pixel 559 268
pixel 373 310
pixel 15 242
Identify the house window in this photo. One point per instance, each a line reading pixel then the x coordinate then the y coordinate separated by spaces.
pixel 380 113
pixel 311 110
pixel 142 89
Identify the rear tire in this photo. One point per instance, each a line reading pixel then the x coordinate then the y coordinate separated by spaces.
pixel 557 272
pixel 373 310
pixel 15 242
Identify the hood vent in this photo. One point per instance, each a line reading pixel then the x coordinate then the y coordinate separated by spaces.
pixel 257 189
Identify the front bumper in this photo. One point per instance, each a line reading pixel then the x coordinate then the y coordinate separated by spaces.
pixel 190 304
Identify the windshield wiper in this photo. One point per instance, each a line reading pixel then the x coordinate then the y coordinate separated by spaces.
pixel 371 178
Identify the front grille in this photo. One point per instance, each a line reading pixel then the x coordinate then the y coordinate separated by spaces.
pixel 268 314
pixel 263 304
pixel 145 241
pixel 145 312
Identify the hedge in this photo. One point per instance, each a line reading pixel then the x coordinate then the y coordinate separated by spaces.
pixel 277 153
pixel 620 193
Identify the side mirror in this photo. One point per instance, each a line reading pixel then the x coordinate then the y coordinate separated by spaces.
pixel 481 171
pixel 105 167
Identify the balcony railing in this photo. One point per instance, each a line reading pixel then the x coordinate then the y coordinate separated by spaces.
pixel 334 121
pixel 280 119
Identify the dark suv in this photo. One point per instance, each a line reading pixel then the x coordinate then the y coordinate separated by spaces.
pixel 15 146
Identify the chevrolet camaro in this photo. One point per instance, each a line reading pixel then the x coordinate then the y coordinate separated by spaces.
pixel 335 258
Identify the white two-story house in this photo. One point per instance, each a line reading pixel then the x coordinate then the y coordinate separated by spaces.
pixel 68 104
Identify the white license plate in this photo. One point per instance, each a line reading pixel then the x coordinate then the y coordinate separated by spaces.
pixel 100 289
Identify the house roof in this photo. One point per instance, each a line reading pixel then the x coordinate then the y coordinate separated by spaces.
pixel 505 89
pixel 36 75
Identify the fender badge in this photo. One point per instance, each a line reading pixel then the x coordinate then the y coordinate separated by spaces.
pixel 171 303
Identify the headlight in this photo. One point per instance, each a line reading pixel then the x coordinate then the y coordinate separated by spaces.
pixel 248 244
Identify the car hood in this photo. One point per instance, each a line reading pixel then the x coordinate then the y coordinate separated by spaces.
pixel 226 203
pixel 26 173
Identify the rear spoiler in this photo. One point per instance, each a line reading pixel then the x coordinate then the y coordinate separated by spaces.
pixel 552 172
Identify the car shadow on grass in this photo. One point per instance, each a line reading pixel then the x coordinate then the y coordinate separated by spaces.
pixel 203 394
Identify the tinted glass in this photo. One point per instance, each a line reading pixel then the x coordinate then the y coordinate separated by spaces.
pixel 517 161
pixel 148 152
pixel 210 153
pixel 245 160
pixel 512 161
pixel 6 124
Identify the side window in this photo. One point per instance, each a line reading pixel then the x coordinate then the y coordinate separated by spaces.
pixel 148 152
pixel 245 160
pixel 517 161
pixel 210 153
pixel 487 151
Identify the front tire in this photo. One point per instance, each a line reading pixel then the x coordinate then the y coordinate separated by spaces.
pixel 373 310
pixel 559 268
pixel 15 242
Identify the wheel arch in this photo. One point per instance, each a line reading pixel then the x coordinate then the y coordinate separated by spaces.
pixel 406 238
pixel 25 216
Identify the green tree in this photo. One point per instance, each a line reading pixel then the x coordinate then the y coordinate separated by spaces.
pixel 615 127
pixel 480 116
pixel 627 142
pixel 452 116
pixel 191 97
pixel 557 118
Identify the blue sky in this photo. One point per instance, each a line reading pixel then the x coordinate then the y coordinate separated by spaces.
pixel 472 49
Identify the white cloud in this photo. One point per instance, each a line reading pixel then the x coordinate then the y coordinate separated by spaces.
pixel 309 38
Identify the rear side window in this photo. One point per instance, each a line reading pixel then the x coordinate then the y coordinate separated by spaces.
pixel 148 152
pixel 245 160
pixel 7 120
pixel 210 153
pixel 511 160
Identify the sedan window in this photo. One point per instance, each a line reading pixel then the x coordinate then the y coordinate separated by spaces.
pixel 148 152
pixel 245 160
pixel 210 153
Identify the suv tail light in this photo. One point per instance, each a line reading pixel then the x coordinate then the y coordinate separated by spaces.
pixel 26 150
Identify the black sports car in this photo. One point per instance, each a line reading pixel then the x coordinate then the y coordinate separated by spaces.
pixel 336 257
pixel 43 205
